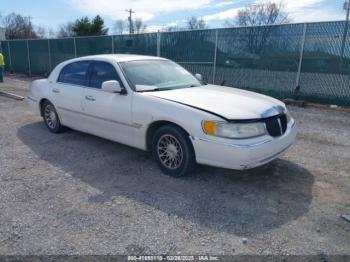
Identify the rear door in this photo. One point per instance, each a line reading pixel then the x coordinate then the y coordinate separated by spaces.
pixel 109 114
pixel 67 93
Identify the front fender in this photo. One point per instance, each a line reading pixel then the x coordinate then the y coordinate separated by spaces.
pixel 148 109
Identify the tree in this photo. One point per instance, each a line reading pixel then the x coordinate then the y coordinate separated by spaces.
pixel 193 23
pixel 119 27
pixel 51 33
pixel 82 27
pixel 18 27
pixel 258 17
pixel 97 26
pixel 66 30
pixel 171 28
pixel 140 27
pixel 40 32
pixel 268 13
pixel 85 27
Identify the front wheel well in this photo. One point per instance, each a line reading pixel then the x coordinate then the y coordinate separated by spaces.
pixel 154 126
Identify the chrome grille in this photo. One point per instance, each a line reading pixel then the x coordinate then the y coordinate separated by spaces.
pixel 277 125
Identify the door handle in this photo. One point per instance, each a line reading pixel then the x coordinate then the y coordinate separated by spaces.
pixel 55 90
pixel 90 98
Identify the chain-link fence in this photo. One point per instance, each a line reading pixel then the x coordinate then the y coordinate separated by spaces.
pixel 310 61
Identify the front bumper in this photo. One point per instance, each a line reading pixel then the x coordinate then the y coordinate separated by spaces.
pixel 242 154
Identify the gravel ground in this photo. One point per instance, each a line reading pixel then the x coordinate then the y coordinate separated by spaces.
pixel 75 193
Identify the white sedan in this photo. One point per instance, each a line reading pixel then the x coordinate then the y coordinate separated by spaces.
pixel 154 104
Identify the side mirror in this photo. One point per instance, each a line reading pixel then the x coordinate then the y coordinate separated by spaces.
pixel 111 86
pixel 199 77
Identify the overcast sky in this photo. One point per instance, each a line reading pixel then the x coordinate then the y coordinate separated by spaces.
pixel 158 13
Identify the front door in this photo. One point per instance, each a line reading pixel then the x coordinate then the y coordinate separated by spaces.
pixel 109 114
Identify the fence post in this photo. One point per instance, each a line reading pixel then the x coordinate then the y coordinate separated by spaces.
pixel 75 47
pixel 28 57
pixel 49 49
pixel 297 81
pixel 112 44
pixel 158 42
pixel 215 54
pixel 10 58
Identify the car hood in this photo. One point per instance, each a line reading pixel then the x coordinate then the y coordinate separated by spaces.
pixel 226 102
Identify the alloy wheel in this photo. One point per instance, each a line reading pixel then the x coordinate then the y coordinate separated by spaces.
pixel 169 151
pixel 50 116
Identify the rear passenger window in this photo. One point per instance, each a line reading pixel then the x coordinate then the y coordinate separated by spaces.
pixel 74 73
pixel 101 72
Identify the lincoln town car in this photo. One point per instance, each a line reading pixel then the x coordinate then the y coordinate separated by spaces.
pixel 154 104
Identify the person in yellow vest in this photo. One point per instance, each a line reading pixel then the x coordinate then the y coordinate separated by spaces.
pixel 2 68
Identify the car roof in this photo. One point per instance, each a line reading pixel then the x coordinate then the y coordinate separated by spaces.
pixel 117 57
pixel 106 58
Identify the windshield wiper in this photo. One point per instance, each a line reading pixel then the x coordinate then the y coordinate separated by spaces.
pixel 190 86
pixel 155 89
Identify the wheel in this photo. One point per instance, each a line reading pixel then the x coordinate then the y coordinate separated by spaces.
pixel 51 119
pixel 173 151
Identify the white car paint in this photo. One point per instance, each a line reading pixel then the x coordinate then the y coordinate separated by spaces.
pixel 127 118
pixel 247 105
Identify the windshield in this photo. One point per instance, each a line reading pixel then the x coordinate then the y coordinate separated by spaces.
pixel 162 74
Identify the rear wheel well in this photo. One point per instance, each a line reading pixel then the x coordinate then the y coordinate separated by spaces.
pixel 154 126
pixel 41 103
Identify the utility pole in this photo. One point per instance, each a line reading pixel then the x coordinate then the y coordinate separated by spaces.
pixel 131 28
pixel 346 28
pixel 30 26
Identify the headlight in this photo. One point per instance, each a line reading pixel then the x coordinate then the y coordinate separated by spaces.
pixel 234 130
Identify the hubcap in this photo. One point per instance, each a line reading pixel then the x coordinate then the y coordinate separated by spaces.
pixel 50 116
pixel 169 151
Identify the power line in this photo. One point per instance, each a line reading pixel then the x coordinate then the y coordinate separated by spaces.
pixel 131 28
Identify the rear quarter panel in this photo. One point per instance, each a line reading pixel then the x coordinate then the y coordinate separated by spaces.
pixel 39 89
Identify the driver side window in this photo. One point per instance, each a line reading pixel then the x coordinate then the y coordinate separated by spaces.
pixel 100 72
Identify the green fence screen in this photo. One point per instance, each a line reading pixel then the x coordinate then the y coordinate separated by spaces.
pixel 263 59
pixel 143 44
pixel 325 71
pixel 19 56
pixel 310 61
pixel 93 45
pixel 39 54
pixel 61 50
pixel 194 50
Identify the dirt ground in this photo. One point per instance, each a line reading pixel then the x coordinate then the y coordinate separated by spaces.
pixel 75 193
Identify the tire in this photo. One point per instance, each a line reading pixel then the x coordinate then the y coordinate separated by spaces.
pixel 173 151
pixel 51 119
